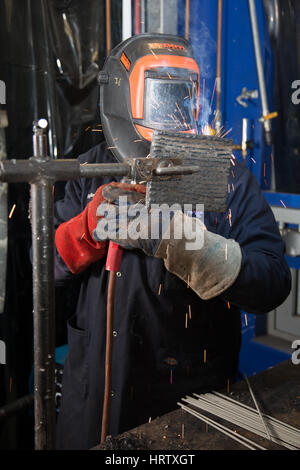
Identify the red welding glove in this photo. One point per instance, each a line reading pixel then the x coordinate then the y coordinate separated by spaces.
pixel 74 238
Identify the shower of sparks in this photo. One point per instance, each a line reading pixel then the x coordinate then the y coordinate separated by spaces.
pixel 282 203
pixel 223 135
pixel 12 211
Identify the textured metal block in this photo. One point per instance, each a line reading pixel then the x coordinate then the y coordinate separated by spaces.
pixel 209 186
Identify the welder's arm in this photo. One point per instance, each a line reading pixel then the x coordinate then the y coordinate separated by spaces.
pixel 264 280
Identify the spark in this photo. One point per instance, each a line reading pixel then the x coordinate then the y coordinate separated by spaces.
pixel 186 320
pixel 190 312
pixel 149 420
pixel 182 431
pixel 181 114
pixel 171 376
pixel 223 135
pixel 87 128
pixel 204 356
pixel 82 236
pixel 137 140
pixel 232 162
pixel 226 252
pixel 282 203
pixel 159 289
pixel 154 54
pixel 12 211
pixel 96 130
pixel 232 185
pixel 227 385
pixel 246 320
pixel 253 160
pixel 264 170
pixel 108 148
pixel 229 216
pixel 169 76
pixel 188 281
pixel 228 305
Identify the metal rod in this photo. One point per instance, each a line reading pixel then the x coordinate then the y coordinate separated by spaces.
pixel 257 407
pixel 260 72
pixel 227 431
pixel 43 302
pixel 218 118
pixel 236 415
pixel 43 314
pixel 108 26
pixel 187 19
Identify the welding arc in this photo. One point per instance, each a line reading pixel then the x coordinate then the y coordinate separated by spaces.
pixel 108 355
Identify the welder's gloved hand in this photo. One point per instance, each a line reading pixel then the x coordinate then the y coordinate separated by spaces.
pixel 74 240
pixel 127 222
pixel 208 262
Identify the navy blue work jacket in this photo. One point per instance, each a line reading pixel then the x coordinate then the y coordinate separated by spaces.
pixel 167 341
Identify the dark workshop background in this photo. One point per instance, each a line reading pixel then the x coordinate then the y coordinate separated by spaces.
pixel 50 54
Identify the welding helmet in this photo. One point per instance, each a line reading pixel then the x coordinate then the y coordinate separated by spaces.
pixel 148 82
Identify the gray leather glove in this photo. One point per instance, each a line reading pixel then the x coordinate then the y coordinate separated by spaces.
pixel 208 262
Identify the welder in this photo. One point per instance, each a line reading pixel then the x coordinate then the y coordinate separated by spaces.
pixel 177 326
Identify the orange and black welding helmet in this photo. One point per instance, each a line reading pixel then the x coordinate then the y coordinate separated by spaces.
pixel 149 81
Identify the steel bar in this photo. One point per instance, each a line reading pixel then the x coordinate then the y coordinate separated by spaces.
pixel 43 300
pixel 252 418
pixel 257 407
pixel 260 72
pixel 239 420
pixel 237 417
pixel 274 421
pixel 227 431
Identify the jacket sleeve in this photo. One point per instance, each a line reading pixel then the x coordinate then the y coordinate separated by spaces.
pixel 264 280
pixel 64 210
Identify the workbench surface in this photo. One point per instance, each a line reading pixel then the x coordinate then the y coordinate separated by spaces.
pixel 277 391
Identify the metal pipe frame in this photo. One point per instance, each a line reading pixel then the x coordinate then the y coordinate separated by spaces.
pixel 41 172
